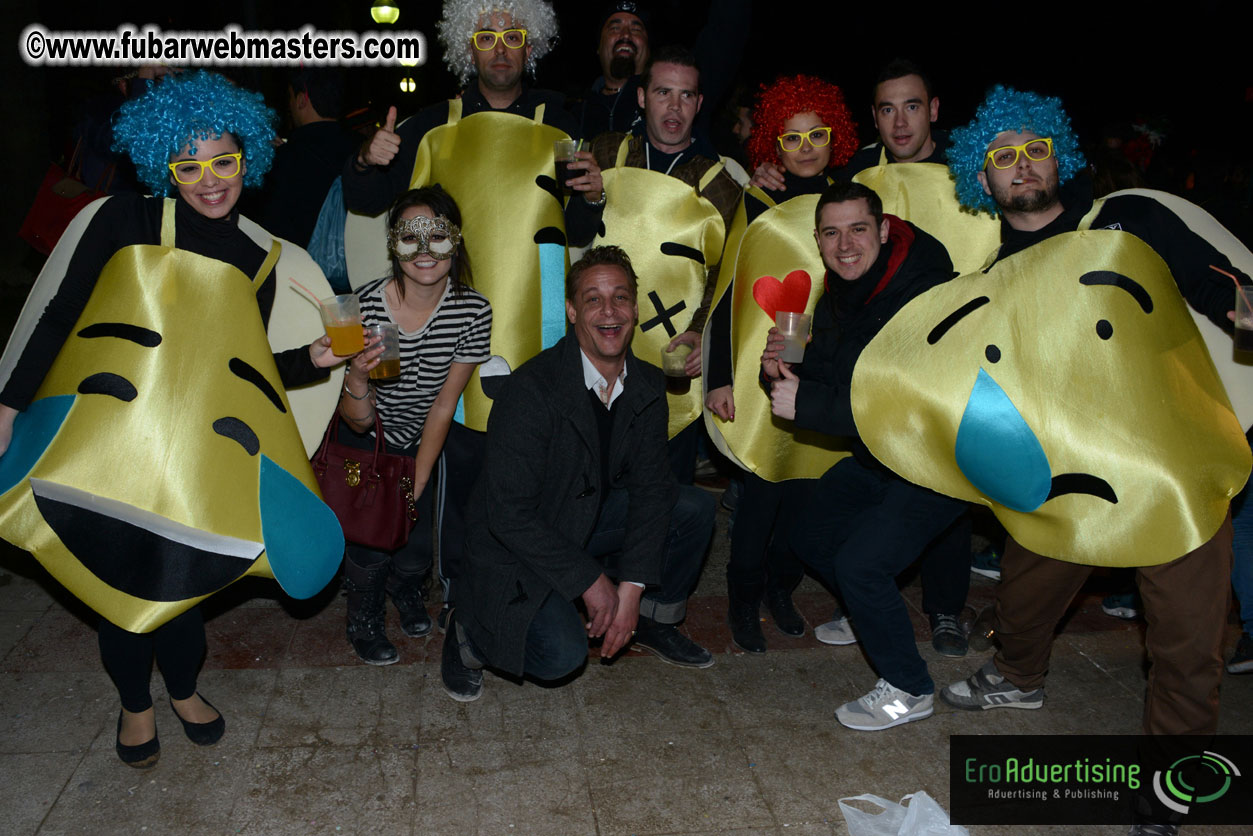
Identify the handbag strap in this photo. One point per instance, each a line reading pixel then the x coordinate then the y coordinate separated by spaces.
pixel 319 458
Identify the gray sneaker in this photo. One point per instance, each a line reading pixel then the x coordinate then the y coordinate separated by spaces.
pixel 839 632
pixel 884 707
pixel 988 689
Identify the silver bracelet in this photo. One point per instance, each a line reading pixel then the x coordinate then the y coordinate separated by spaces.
pixel 349 393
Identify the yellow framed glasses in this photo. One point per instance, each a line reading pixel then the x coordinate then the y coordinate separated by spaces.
pixel 190 172
pixel 1007 156
pixel 486 39
pixel 793 140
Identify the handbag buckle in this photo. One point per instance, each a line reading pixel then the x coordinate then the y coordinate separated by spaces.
pixel 352 473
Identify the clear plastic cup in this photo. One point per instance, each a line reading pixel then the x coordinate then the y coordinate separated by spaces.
pixel 794 329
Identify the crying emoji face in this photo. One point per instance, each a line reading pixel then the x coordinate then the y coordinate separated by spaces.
pixel 159 461
pixel 1068 389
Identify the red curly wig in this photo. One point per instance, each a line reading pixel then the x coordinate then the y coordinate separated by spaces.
pixel 789 95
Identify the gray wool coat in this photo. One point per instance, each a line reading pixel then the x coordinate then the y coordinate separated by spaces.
pixel 536 501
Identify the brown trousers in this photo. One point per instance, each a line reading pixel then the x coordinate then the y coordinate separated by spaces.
pixel 1185 605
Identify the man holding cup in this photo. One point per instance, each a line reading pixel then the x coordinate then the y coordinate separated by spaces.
pixel 863 524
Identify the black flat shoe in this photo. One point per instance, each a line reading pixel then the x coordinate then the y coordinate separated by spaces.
pixel 143 756
pixel 202 734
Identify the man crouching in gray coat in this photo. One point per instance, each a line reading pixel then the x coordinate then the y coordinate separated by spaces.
pixel 577 500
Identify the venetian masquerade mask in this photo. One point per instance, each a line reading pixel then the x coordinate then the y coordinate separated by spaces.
pixel 410 237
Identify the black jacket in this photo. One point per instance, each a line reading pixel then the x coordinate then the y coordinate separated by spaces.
pixel 847 318
pixel 537 499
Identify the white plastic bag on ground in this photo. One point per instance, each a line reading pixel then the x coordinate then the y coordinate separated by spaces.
pixel 923 817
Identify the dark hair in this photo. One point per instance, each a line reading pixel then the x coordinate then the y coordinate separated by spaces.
pixel 842 191
pixel 672 54
pixel 608 255
pixel 323 85
pixel 899 68
pixel 439 202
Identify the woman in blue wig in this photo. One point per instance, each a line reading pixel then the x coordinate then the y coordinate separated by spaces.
pixel 185 280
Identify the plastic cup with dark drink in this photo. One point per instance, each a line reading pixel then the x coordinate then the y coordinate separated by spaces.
pixel 674 363
pixel 563 154
pixel 1244 318
pixel 794 329
pixel 389 361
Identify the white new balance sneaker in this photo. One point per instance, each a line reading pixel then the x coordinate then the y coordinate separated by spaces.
pixel 884 707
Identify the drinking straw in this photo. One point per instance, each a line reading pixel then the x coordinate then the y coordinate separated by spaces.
pixel 318 301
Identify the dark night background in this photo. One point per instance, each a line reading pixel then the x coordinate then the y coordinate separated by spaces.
pixel 1184 69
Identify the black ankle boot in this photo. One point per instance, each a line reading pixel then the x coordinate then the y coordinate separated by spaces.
pixel 783 611
pixel 366 588
pixel 406 591
pixel 746 627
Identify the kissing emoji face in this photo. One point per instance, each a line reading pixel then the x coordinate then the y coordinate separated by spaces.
pixel 1067 389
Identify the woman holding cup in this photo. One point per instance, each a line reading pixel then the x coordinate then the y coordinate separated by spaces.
pixel 442 331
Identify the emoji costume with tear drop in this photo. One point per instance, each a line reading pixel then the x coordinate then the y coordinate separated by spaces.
pixel 155 458
pixel 1066 386
pixel 160 461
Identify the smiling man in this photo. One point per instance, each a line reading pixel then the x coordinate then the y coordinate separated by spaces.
pixel 863 524
pixel 1017 159
pixel 576 502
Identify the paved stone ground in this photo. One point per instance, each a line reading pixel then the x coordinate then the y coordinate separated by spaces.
pixel 318 743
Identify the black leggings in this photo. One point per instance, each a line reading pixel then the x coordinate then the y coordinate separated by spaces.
pixel 179 648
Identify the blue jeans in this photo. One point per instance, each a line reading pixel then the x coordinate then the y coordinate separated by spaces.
pixel 863 527
pixel 556 640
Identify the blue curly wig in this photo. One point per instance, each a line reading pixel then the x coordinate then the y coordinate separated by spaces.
pixel 1007 109
pixel 189 106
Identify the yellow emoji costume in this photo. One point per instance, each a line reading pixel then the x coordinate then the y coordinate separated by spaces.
pixel 772 249
pixel 1066 388
pixel 673 235
pixel 499 168
pixel 159 460
pixel 922 193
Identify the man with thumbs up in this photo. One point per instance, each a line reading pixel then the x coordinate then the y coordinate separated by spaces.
pixel 863 524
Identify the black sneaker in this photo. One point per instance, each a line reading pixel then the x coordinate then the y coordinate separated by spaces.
pixel 947 636
pixel 461 682
pixel 1242 660
pixel 669 645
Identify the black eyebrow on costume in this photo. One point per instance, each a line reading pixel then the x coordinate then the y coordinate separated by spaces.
pixel 123 331
pixel 952 319
pixel 672 248
pixel 1118 280
pixel 246 372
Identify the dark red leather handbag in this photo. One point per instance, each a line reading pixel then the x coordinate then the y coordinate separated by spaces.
pixel 61 196
pixel 370 492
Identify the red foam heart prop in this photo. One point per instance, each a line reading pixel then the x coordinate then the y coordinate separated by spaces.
pixel 791 294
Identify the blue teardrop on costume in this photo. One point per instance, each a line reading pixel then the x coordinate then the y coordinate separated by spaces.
pixel 303 540
pixel 998 452
pixel 33 431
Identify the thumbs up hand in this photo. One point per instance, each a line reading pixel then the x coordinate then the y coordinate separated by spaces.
pixel 384 145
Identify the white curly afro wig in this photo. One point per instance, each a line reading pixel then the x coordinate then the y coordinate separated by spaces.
pixel 461 20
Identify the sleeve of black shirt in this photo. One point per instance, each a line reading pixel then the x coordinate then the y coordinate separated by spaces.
pixel 1188 255
pixel 120 221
